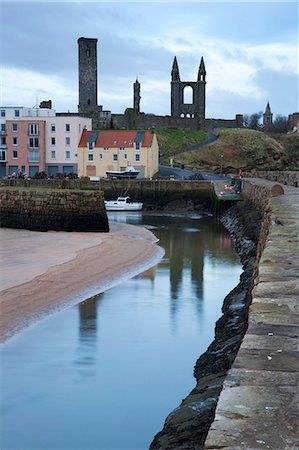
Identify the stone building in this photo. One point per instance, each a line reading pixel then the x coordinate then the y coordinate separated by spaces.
pixel 109 150
pixel 267 116
pixel 193 107
pixel 88 84
pixel 186 113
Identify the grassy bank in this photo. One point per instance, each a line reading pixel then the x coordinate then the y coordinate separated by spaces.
pixel 244 148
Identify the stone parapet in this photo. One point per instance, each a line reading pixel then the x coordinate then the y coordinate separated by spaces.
pixel 258 406
pixel 60 210
pixel 290 178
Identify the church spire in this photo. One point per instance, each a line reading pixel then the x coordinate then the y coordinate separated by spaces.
pixel 175 75
pixel 201 71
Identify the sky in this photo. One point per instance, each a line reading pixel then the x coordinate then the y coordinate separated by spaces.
pixel 250 51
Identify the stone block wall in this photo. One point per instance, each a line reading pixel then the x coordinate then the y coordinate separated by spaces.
pixel 60 210
pixel 290 178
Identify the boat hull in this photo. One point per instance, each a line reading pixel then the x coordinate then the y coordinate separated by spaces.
pixel 114 206
pixel 128 174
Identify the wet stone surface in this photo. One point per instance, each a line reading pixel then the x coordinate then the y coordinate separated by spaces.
pixel 258 407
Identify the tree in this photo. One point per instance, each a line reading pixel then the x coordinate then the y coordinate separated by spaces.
pixel 254 120
pixel 280 124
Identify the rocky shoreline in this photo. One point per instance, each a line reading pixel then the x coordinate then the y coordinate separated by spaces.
pixel 187 426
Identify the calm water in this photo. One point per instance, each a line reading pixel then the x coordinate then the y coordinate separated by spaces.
pixel 105 373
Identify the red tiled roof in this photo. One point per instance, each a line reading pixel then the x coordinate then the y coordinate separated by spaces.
pixel 116 138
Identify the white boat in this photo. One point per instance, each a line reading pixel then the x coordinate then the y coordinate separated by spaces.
pixel 129 172
pixel 122 204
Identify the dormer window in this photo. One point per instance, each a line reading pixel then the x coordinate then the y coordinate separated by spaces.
pixel 137 145
pixel 90 145
pixel 125 142
pixel 115 141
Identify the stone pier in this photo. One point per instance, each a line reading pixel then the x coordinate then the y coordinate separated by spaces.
pixel 259 406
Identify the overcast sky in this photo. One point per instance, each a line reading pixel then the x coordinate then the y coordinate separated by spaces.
pixel 250 52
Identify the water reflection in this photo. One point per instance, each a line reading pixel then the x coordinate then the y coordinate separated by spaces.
pixel 124 359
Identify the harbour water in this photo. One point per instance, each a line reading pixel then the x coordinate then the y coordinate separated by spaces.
pixel 105 374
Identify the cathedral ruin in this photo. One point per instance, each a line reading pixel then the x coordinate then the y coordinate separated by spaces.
pixel 186 113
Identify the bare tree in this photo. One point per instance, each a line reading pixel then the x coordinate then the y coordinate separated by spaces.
pixel 254 120
pixel 280 124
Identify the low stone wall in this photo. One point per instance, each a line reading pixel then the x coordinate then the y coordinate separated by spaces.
pixel 290 178
pixel 155 194
pixel 60 210
pixel 187 426
pixel 258 406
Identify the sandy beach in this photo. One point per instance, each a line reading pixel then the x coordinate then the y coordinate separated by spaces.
pixel 42 273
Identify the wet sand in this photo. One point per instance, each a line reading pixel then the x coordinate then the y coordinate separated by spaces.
pixel 42 273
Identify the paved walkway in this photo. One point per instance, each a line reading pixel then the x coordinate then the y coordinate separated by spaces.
pixel 259 405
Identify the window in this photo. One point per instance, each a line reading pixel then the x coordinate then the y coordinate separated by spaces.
pixel 53 141
pixel 115 157
pixel 33 128
pixel 125 155
pixel 90 146
pixel 106 148
pixel 23 168
pixel 137 157
pixel 137 145
pixel 90 157
pixel 121 148
pixel 188 95
pixel 101 155
pixel 67 141
pixel 3 140
pixel 14 141
pixel 14 127
pixel 115 141
pixel 67 127
pixel 15 154
pixel 2 112
pixel 53 154
pixel 3 127
pixel 17 113
pixel 33 156
pixel 67 154
pixel 53 127
pixel 33 143
pixel 2 155
pixel 125 141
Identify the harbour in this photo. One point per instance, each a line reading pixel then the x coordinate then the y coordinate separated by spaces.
pixel 124 359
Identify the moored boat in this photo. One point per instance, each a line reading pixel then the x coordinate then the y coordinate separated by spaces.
pixel 123 204
pixel 129 172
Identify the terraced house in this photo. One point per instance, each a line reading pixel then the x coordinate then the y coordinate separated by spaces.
pixel 38 140
pixel 109 150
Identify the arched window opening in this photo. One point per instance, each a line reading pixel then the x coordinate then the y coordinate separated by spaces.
pixel 188 95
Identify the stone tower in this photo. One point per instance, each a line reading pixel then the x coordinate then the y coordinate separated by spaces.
pixel 88 84
pixel 137 98
pixel 88 80
pixel 180 107
pixel 267 116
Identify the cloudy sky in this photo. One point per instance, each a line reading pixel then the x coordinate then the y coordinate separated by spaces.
pixel 250 51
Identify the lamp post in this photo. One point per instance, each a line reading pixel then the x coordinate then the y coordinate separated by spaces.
pixel 221 164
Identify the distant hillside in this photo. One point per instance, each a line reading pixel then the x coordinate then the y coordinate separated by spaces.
pixel 241 148
pixel 175 141
pixel 290 142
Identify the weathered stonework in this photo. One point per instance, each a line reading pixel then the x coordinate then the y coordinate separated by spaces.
pixel 60 210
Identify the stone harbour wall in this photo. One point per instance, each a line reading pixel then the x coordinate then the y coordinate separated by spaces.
pixel 290 178
pixel 60 210
pixel 188 425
